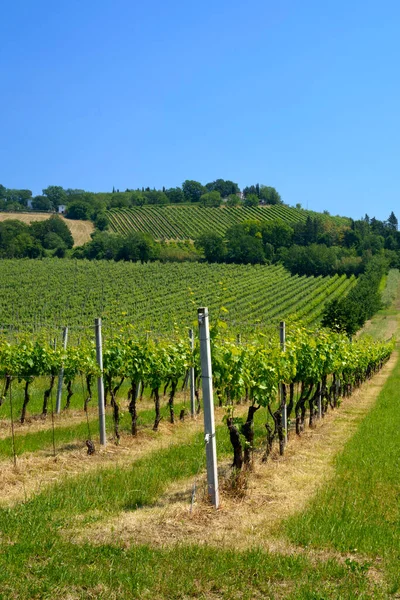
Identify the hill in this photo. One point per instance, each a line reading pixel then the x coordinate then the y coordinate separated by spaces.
pixel 183 222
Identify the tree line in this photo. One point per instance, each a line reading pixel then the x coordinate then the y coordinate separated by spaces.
pixel 51 237
pixel 315 247
pixel 82 204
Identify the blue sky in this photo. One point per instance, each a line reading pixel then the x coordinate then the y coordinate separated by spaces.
pixel 302 95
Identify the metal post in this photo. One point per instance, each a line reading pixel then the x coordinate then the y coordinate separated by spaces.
pixel 209 424
pixel 100 385
pixel 282 340
pixel 191 378
pixel 61 373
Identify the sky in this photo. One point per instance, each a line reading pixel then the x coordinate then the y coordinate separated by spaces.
pixel 302 95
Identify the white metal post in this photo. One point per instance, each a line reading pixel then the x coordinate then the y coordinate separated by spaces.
pixel 209 423
pixel 100 384
pixel 61 374
pixel 282 340
pixel 191 378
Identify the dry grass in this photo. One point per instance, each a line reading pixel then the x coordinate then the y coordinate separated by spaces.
pixel 80 230
pixel 36 423
pixel 38 470
pixel 276 490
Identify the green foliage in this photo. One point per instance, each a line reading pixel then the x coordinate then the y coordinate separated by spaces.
pixel 225 188
pixel 56 194
pixel 175 195
pixel 213 247
pixel 110 246
pixel 192 190
pixel 251 200
pixel 211 199
pixel 364 300
pixel 78 210
pixel 53 225
pixel 243 247
pixel 188 222
pixel 154 296
pixel 269 195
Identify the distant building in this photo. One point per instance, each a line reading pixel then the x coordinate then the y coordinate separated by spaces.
pixel 240 195
pixel 61 209
pixel 29 204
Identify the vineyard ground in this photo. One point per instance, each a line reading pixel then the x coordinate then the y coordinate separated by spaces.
pixel 80 230
pixel 69 524
pixel 276 490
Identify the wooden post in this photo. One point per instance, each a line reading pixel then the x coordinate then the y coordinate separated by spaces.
pixel 100 384
pixel 282 340
pixel 61 374
pixel 319 401
pixel 192 378
pixel 209 424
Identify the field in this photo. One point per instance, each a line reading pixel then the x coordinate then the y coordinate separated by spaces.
pixel 320 522
pixel 188 222
pixel 80 230
pixel 156 297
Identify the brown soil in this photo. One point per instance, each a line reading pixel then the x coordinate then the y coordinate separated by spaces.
pixel 80 230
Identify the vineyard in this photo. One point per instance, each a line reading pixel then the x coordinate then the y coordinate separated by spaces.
pixel 325 366
pixel 188 222
pixel 154 297
pixel 57 480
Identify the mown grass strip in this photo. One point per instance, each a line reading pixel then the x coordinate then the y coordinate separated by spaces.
pixel 40 563
pixel 359 510
pixel 26 441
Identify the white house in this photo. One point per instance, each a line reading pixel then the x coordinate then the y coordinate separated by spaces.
pixel 61 209
pixel 29 204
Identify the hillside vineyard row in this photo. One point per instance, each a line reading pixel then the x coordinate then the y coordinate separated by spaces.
pixel 155 297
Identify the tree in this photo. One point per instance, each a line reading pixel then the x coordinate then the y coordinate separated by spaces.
pixel 233 200
pixel 213 247
pixel 120 200
pixel 243 247
pixel 225 188
pixel 41 203
pixel 193 190
pixel 392 222
pixel 175 195
pixel 252 190
pixel 138 246
pixel 54 225
pixel 52 241
pixel 103 246
pixel 211 199
pixel 138 198
pixel 251 200
pixel 101 222
pixel 316 259
pixel 277 232
pixel 269 195
pixel 56 194
pixel 78 210
pixel 156 197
